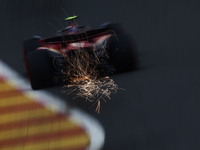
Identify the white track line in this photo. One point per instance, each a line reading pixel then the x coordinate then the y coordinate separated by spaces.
pixel 56 104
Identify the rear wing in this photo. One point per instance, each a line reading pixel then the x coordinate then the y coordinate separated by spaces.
pixel 70 38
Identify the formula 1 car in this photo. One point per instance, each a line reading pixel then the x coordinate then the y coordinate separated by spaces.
pixel 47 59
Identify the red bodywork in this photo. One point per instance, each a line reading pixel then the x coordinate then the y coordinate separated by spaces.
pixel 58 47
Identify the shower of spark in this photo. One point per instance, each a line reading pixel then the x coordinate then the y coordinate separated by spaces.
pixel 82 77
pixel 93 90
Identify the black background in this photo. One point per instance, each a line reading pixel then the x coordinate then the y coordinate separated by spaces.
pixel 160 107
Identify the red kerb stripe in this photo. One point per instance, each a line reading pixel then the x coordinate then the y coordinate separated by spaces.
pixel 20 107
pixel 10 93
pixel 32 122
pixel 41 137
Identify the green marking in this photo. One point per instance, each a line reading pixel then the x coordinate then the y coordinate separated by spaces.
pixel 69 18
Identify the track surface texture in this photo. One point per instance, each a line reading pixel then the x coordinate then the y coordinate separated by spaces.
pixel 159 110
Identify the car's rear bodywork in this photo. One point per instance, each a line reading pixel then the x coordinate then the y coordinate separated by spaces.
pixel 89 39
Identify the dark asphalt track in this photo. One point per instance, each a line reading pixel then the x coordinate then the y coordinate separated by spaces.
pixel 160 108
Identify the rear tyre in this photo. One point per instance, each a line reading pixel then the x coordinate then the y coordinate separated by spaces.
pixel 30 45
pixel 40 69
pixel 122 53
